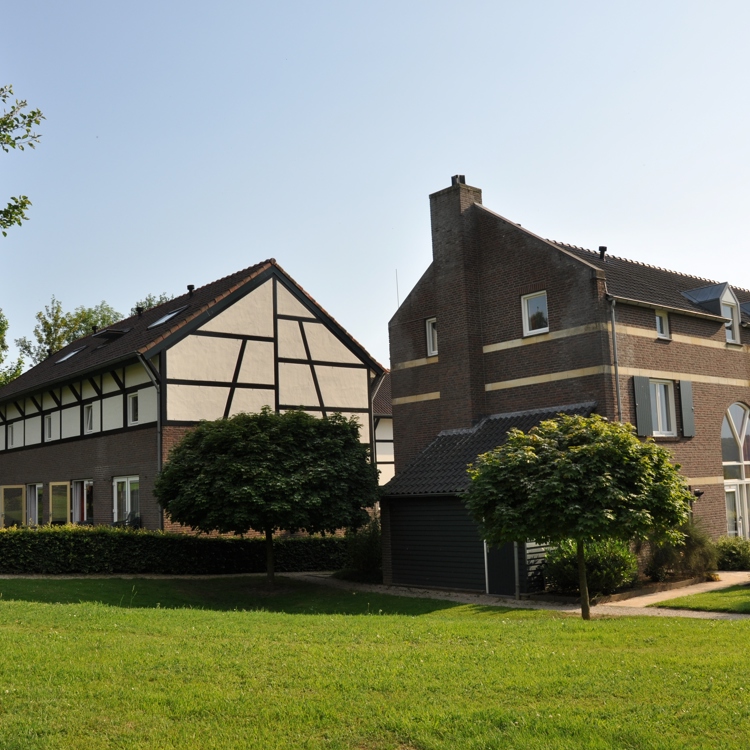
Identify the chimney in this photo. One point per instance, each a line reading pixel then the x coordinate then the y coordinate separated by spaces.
pixel 602 251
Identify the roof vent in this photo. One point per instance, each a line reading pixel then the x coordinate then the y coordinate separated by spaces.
pixel 139 310
pixel 94 329
pixel 191 288
pixel 602 251
pixel 458 179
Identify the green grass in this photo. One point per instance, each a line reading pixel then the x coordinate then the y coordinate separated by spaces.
pixel 222 663
pixel 734 599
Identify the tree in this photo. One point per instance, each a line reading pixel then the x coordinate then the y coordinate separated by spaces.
pixel 149 301
pixel 13 370
pixel 580 478
pixel 55 328
pixel 269 472
pixel 16 132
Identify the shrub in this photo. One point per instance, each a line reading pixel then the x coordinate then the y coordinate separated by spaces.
pixel 364 557
pixel 50 550
pixel 733 553
pixel 610 565
pixel 695 557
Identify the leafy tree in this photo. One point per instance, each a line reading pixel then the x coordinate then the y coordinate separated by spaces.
pixel 269 472
pixel 13 370
pixel 149 301
pixel 55 328
pixel 16 132
pixel 580 478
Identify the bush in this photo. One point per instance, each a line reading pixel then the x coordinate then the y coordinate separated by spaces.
pixel 50 550
pixel 364 557
pixel 733 553
pixel 695 557
pixel 610 565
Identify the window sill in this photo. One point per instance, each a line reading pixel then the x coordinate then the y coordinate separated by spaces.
pixel 535 333
pixel 666 438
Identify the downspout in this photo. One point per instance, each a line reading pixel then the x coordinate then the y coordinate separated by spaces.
pixel 517 572
pixel 616 363
pixel 150 372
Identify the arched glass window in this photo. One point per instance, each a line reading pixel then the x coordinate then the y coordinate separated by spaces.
pixel 735 456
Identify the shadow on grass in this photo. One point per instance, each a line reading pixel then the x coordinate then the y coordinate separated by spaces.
pixel 246 593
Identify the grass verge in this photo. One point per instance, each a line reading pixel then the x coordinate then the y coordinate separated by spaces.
pixel 735 599
pixel 224 663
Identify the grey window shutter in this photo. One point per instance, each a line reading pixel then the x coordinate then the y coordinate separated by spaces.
pixel 686 406
pixel 643 406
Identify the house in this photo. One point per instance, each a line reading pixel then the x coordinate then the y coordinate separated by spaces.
pixel 504 322
pixel 85 432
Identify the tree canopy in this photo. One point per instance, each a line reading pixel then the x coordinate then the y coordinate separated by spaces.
pixel 56 328
pixel 13 370
pixel 581 478
pixel 268 472
pixel 149 301
pixel 16 132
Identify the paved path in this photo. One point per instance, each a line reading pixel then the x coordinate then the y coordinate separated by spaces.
pixel 635 606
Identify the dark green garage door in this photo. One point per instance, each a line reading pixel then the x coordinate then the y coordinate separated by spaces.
pixel 434 543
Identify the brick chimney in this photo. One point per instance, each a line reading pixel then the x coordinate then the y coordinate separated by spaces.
pixel 456 256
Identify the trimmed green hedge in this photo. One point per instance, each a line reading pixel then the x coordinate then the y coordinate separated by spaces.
pixel 51 550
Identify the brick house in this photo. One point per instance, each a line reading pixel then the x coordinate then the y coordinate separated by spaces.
pixel 85 432
pixel 504 322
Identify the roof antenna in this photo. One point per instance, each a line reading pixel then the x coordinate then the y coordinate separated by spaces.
pixel 602 251
pixel 191 287
pixel 398 301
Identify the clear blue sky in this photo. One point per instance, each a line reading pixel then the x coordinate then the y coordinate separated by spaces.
pixel 186 140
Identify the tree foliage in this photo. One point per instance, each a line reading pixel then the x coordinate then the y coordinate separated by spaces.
pixel 580 478
pixel 16 132
pixel 149 301
pixel 56 328
pixel 267 472
pixel 13 370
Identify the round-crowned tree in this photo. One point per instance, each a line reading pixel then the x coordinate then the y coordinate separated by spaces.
pixel 581 478
pixel 268 472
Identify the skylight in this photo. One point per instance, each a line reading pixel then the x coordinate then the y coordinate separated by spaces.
pixel 70 354
pixel 168 316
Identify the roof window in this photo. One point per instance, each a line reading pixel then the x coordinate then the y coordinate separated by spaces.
pixel 168 316
pixel 70 354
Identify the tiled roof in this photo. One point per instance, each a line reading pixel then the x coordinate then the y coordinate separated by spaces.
pixel 98 351
pixel 381 402
pixel 441 467
pixel 651 284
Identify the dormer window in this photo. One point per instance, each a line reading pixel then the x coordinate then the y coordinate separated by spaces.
pixel 662 324
pixel 534 309
pixel 729 310
pixel 431 331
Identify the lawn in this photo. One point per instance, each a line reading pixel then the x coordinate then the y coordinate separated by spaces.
pixel 224 664
pixel 734 599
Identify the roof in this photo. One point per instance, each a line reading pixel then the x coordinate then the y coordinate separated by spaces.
pixel 631 280
pixel 128 338
pixel 440 469
pixel 381 400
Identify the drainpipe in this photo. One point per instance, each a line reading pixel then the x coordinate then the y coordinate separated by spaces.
pixel 611 301
pixel 515 565
pixel 486 572
pixel 150 372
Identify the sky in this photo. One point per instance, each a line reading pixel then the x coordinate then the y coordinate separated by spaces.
pixel 186 140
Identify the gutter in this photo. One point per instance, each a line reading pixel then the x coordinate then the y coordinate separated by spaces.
pixel 153 376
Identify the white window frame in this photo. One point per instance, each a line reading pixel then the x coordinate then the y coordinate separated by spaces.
pixel 430 326
pixel 655 395
pixel 128 497
pixel 48 427
pixel 11 435
pixel 731 326
pixel 133 399
pixel 527 329
pixel 88 419
pixel 662 331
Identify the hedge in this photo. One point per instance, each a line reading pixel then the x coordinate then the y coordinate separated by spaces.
pixel 51 550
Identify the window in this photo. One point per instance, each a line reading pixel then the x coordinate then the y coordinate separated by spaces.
pixel 59 503
pixel 13 505
pixel 729 310
pixel 431 326
pixel 48 427
pixel 11 435
pixel 127 508
pixel 88 418
pixel 735 457
pixel 662 408
pixel 662 324
pixel 82 505
pixel 35 504
pixel 70 354
pixel 168 316
pixel 133 408
pixel 534 308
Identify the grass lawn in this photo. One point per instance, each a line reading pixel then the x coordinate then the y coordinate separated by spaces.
pixel 224 664
pixel 734 599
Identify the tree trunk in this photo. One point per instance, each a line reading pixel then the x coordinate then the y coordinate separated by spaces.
pixel 583 585
pixel 269 557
